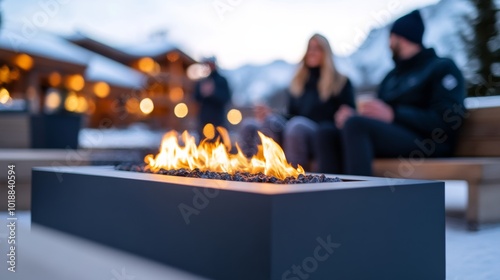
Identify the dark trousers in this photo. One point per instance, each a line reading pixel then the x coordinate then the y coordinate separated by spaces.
pixel 352 149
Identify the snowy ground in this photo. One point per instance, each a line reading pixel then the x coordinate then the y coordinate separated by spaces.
pixel 469 255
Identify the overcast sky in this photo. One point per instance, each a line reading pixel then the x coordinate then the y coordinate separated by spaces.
pixel 236 31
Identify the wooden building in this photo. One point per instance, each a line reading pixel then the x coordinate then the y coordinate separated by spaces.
pixel 110 86
pixel 167 85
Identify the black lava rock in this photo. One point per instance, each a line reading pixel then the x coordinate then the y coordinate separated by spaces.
pixel 238 176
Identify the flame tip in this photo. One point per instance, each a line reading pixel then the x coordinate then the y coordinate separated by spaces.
pixel 215 155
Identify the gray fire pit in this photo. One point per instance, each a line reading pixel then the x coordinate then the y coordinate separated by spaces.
pixel 363 228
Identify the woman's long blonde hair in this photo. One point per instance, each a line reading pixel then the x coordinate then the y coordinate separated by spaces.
pixel 330 82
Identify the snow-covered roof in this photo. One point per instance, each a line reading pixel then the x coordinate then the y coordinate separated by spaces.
pixel 152 48
pixel 43 44
pixel 99 68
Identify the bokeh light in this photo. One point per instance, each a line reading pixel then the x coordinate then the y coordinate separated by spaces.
pixel 132 105
pixel 181 110
pixel 173 56
pixel 24 61
pixel 209 131
pixel 75 82
pixel 234 116
pixel 147 106
pixel 53 100
pixel 4 96
pixel 101 89
pixel 71 102
pixel 55 79
pixel 82 105
pixel 176 94
pixel 197 71
pixel 146 64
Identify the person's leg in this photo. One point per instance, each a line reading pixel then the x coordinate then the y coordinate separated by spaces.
pixel 328 149
pixel 273 127
pixel 248 138
pixel 363 139
pixel 298 140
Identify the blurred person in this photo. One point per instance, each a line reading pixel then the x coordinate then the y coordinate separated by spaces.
pixel 315 94
pixel 416 113
pixel 212 94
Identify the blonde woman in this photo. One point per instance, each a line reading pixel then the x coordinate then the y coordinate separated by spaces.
pixel 315 94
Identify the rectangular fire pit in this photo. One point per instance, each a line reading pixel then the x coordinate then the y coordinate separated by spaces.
pixel 363 228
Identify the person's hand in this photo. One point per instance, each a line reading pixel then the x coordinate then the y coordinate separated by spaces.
pixel 207 88
pixel 261 112
pixel 342 115
pixel 377 109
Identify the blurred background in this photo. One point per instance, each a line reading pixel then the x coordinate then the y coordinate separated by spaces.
pixel 100 82
pixel 130 66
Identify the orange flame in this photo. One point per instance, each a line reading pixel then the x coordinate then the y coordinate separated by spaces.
pixel 215 156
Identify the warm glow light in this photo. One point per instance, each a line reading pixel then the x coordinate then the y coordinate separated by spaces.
pixel 82 105
pixel 234 116
pixel 4 96
pixel 53 100
pixel 75 82
pixel 173 57
pixel 146 64
pixel 197 71
pixel 92 106
pixel 5 74
pixel 132 105
pixel 176 94
pixel 24 61
pixel 156 69
pixel 55 79
pixel 209 131
pixel 147 106
pixel 215 156
pixel 14 74
pixel 71 102
pixel 181 110
pixel 101 89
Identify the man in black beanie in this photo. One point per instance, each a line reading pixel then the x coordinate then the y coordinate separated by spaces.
pixel 416 114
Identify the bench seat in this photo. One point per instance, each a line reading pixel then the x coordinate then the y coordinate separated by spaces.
pixel 481 174
pixel 476 160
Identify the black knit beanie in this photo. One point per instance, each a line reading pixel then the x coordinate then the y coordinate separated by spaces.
pixel 410 26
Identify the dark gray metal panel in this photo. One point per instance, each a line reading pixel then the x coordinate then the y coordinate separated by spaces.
pixel 380 234
pixel 229 238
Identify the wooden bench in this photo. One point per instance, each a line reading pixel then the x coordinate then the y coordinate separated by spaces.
pixel 26 159
pixel 477 161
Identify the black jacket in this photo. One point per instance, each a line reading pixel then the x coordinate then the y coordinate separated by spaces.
pixel 426 93
pixel 212 108
pixel 310 105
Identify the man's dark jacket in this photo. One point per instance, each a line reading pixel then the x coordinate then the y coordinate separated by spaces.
pixel 426 93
